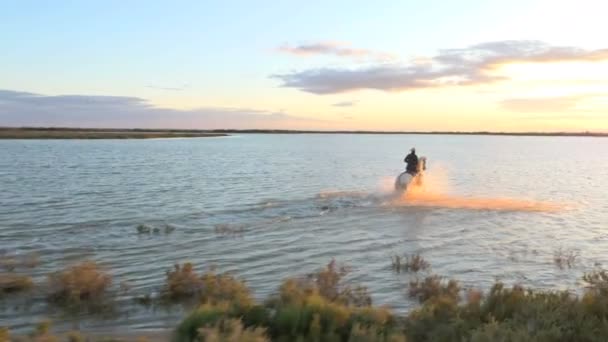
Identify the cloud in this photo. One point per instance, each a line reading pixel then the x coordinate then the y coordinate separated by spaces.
pixel 344 104
pixel 332 48
pixel 29 109
pixel 466 66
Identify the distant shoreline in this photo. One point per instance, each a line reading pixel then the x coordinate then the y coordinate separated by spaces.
pixel 134 133
pixel 85 133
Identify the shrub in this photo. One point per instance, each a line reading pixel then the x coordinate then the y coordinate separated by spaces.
pixel 317 307
pixel 11 283
pixel 433 286
pixel 82 285
pixel 329 283
pixel 183 283
pixel 11 263
pixel 231 330
pixel 597 281
pixel 414 263
pixel 5 335
pixel 75 336
pixel 144 229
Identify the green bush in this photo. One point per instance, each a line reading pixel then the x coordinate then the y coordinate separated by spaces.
pixel 318 307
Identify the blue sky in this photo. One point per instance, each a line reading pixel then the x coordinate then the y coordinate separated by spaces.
pixel 201 54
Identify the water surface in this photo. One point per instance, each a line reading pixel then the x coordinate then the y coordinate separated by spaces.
pixel 297 201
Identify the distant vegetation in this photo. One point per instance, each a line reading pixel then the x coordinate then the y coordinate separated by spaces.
pixel 325 306
pixel 137 133
pixel 81 133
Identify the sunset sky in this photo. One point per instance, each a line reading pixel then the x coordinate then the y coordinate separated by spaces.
pixel 330 65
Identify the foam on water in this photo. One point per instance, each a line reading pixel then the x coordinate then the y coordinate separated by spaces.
pixel 433 192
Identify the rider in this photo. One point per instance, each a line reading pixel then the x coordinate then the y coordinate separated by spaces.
pixel 412 162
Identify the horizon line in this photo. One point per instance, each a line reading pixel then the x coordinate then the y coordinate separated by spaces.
pixel 290 131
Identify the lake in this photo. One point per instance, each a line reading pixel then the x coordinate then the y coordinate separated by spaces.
pixel 266 207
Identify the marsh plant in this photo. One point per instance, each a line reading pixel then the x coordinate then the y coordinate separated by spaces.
pixel 316 307
pixel 232 330
pixel 11 263
pixel 12 277
pixel 325 306
pixel 432 287
pixel 228 230
pixel 144 229
pixel 11 283
pixel 409 263
pixel 82 286
pixel 183 283
pixel 42 332
pixel 565 258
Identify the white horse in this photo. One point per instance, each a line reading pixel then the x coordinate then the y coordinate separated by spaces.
pixel 406 178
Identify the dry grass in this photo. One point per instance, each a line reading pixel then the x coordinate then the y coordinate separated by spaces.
pixel 232 330
pixel 12 283
pixel 565 258
pixel 433 286
pixel 183 283
pixel 597 281
pixel 12 262
pixel 329 283
pixel 5 335
pixel 82 284
pixel 409 263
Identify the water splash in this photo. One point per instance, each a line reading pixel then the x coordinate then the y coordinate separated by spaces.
pixel 434 192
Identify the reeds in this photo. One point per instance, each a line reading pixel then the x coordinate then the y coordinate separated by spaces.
pixel 409 263
pixel 565 258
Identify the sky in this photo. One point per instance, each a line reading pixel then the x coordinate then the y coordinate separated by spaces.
pixel 466 65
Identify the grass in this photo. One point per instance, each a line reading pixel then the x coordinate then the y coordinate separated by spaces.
pixel 84 285
pixel 409 263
